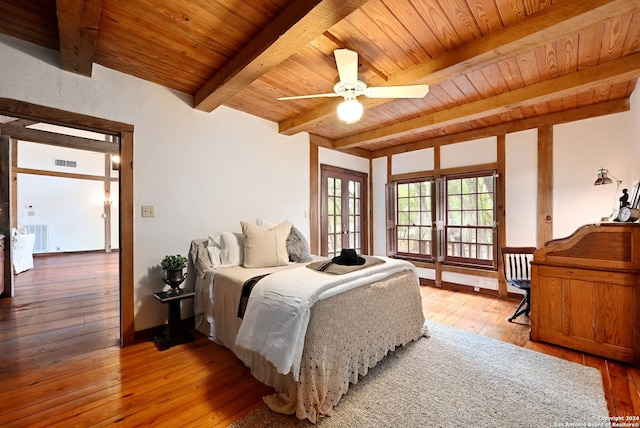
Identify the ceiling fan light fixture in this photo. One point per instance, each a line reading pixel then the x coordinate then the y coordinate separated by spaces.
pixel 350 110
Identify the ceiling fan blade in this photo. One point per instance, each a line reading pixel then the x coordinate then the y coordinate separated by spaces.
pixel 347 63
pixel 404 91
pixel 300 97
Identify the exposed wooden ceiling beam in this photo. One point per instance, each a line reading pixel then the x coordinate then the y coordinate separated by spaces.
pixel 26 110
pixel 615 71
pixel 289 32
pixel 14 121
pixel 22 122
pixel 78 30
pixel 60 140
pixel 609 107
pixel 560 20
pixel 47 173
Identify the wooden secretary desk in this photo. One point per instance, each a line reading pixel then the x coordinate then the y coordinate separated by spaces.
pixel 585 291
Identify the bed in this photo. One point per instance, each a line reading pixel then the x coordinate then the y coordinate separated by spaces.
pixel 311 353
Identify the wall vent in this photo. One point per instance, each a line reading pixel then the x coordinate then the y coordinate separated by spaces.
pixel 66 163
pixel 41 231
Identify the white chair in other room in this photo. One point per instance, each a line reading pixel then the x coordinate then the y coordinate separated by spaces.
pixel 22 246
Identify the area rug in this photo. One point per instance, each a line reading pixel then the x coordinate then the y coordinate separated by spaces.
pixel 459 379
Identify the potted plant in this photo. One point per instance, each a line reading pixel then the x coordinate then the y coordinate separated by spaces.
pixel 174 262
pixel 173 266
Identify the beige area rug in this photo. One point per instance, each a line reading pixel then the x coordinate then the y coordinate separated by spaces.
pixel 459 379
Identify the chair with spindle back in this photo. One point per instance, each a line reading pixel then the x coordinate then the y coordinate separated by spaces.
pixel 516 266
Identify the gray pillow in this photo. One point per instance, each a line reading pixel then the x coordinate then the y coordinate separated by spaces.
pixel 200 257
pixel 298 247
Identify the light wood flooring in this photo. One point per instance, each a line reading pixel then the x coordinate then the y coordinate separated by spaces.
pixel 61 367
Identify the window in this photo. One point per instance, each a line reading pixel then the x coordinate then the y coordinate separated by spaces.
pixel 470 226
pixel 415 219
pixel 465 211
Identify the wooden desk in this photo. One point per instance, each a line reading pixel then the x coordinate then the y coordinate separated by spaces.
pixel 585 291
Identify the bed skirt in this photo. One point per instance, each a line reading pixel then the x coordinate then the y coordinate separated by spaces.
pixel 347 335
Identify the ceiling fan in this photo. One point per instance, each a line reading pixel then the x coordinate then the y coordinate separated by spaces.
pixel 350 86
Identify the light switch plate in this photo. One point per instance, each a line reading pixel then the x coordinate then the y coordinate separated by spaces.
pixel 148 211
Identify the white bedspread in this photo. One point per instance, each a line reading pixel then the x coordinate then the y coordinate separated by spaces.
pixel 277 314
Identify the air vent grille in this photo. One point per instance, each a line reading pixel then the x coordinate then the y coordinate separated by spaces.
pixel 66 163
pixel 41 244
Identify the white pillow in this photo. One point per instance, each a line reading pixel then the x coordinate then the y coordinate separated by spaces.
pixel 265 247
pixel 231 249
pixel 214 248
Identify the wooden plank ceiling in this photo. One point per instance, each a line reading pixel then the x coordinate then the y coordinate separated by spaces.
pixel 492 65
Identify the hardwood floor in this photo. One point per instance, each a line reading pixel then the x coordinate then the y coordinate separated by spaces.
pixel 66 303
pixel 487 316
pixel 61 367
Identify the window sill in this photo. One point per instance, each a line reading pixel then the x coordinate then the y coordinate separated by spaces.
pixel 445 267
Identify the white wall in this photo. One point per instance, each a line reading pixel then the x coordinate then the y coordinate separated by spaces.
pixel 72 209
pixel 343 160
pixel 72 213
pixel 634 134
pixel 203 172
pixel 521 170
pixel 418 160
pixel 579 150
pixel 474 152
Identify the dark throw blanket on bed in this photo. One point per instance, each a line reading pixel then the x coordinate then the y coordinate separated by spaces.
pixel 247 287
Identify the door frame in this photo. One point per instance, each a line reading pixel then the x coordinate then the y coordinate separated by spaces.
pixel 364 218
pixel 25 110
pixel 5 213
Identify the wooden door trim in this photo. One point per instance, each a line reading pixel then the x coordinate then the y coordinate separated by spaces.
pixel 25 110
pixel 545 186
pixel 314 199
pixel 5 213
pixel 364 232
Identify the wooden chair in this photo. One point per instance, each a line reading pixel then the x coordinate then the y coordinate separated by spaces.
pixel 516 267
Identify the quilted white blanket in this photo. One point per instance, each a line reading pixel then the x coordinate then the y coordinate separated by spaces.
pixel 277 314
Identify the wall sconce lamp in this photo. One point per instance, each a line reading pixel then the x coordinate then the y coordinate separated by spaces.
pixel 115 162
pixel 107 199
pixel 603 178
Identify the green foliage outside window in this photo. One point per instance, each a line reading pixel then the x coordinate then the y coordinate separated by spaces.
pixel 414 218
pixel 469 219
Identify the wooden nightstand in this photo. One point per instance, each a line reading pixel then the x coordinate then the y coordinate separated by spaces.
pixel 176 333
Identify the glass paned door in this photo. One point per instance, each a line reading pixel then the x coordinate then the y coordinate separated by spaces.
pixel 343 223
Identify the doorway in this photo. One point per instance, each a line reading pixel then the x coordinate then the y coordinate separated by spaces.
pixel 31 112
pixel 343 211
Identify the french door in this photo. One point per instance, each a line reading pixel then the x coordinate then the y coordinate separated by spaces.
pixel 344 213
